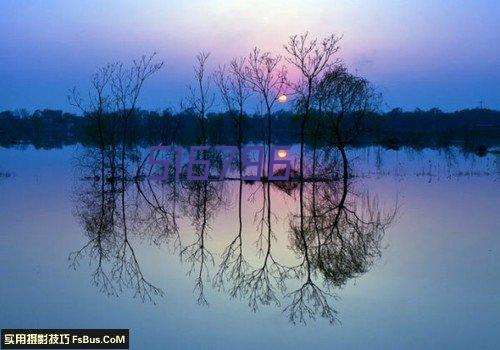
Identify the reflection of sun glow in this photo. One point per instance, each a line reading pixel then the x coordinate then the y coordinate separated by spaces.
pixel 282 153
pixel 282 98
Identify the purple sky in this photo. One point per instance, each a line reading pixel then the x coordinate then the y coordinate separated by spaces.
pixel 417 53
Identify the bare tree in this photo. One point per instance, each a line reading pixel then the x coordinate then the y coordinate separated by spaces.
pixel 98 104
pixel 267 78
pixel 99 100
pixel 234 93
pixel 126 86
pixel 114 92
pixel 200 98
pixel 312 58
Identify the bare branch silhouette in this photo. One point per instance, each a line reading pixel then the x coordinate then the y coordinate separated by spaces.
pixel 312 59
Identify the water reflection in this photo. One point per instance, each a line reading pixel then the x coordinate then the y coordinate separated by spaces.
pixel 4 175
pixel 107 218
pixel 335 231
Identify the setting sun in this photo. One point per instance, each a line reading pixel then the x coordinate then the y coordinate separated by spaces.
pixel 282 99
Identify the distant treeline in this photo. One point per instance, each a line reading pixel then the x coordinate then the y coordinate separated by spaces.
pixel 475 130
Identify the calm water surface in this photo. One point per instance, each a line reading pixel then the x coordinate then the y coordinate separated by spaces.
pixel 420 267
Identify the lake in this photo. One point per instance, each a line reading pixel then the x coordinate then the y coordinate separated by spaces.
pixel 404 255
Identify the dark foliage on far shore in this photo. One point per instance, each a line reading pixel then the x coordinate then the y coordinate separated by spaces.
pixel 475 130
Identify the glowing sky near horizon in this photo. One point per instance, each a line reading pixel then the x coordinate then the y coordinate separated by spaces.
pixel 417 53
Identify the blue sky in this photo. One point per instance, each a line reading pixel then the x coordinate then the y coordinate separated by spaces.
pixel 417 53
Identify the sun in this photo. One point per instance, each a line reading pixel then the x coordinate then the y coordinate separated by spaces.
pixel 282 98
pixel 282 153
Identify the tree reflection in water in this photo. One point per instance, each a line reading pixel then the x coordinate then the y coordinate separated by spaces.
pixel 107 217
pixel 335 232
